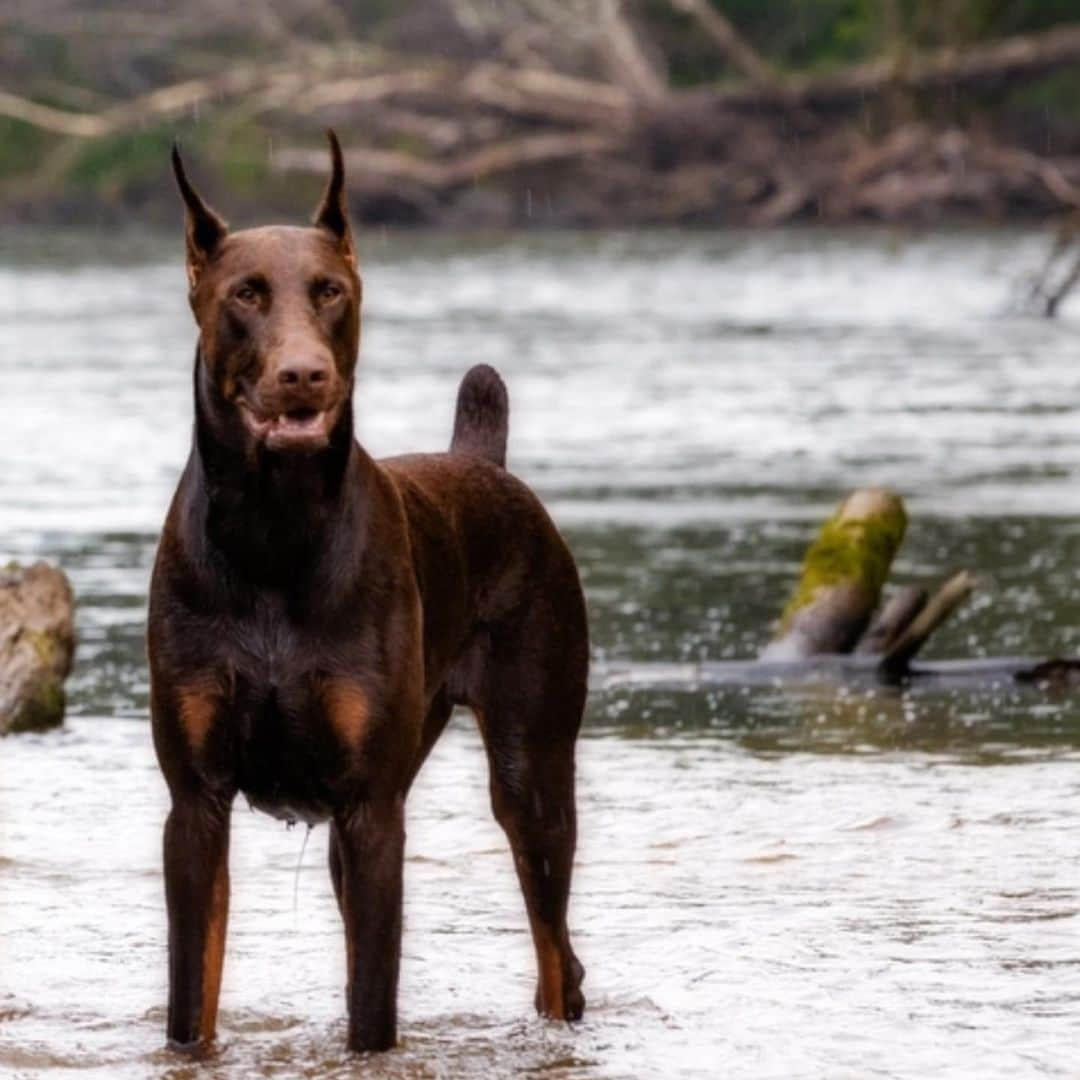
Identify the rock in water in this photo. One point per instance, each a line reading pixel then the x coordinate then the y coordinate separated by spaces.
pixel 37 645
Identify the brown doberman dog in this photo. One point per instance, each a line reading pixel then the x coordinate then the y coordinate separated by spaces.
pixel 315 615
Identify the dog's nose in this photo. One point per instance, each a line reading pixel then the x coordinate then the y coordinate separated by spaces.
pixel 303 372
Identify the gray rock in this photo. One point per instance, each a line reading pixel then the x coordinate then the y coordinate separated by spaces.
pixel 37 645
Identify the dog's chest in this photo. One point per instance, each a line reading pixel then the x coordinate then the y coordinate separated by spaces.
pixel 291 712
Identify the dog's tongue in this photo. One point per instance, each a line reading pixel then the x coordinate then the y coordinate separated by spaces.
pixel 298 427
pixel 298 420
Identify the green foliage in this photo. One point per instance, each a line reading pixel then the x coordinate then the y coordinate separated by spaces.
pixel 820 34
pixel 122 165
pixel 995 18
pixel 1057 93
pixel 241 152
pixel 22 147
pixel 111 164
pixel 809 33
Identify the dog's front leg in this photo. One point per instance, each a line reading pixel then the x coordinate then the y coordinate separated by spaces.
pixel 370 850
pixel 197 897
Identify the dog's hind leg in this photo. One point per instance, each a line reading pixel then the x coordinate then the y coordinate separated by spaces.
pixel 197 897
pixel 529 721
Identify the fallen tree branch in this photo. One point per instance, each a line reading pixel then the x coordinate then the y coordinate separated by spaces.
pixel 627 147
pixel 530 92
pixel 1056 674
pixel 631 65
pixel 562 97
pixel 895 663
pixel 381 167
pixel 895 617
pixel 167 101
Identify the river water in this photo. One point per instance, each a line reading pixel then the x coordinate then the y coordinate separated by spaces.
pixel 775 881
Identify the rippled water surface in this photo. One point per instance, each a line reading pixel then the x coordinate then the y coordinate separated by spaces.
pixel 815 880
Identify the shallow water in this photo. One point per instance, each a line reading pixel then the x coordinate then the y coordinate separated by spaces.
pixel 773 881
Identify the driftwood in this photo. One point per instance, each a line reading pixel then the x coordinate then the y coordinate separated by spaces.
pixel 37 644
pixel 828 632
pixel 889 623
pixel 573 94
pixel 898 653
pixel 852 87
pixel 832 611
pixel 844 669
pixel 765 152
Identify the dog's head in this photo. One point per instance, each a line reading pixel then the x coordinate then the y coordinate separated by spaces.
pixel 278 310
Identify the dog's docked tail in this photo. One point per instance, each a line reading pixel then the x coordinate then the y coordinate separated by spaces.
pixel 482 417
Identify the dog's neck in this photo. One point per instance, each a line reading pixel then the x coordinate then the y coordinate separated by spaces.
pixel 274 518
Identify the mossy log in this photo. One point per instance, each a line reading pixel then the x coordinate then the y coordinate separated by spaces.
pixel 37 646
pixel 842 576
pixel 828 632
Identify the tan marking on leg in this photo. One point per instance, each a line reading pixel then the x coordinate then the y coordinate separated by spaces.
pixel 549 962
pixel 347 709
pixel 198 704
pixel 214 953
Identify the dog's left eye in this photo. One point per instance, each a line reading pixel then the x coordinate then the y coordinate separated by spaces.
pixel 327 292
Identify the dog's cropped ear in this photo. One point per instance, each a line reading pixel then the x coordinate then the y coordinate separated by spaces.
pixel 204 230
pixel 333 214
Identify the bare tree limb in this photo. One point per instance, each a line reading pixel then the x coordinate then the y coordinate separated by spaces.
pixel 893 619
pixel 942 604
pixel 1064 287
pixel 382 166
pixel 743 56
pixel 523 92
pixel 632 66
pixel 167 101
pixel 552 95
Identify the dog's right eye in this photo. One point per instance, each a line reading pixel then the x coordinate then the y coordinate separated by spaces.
pixel 246 295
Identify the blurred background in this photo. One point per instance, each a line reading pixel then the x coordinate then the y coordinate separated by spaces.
pixel 564 112
pixel 802 247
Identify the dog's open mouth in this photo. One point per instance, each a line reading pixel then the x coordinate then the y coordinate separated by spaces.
pixel 301 428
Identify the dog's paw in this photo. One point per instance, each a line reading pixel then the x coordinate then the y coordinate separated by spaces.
pixel 571 1005
pixel 196 1048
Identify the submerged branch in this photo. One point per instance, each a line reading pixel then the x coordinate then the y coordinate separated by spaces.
pixel 896 662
